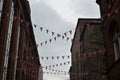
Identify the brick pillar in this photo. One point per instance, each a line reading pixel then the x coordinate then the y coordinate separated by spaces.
pixel 3 33
pixel 13 48
pixel 20 54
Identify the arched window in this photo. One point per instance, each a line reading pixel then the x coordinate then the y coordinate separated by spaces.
pixel 109 2
pixel 1 6
pixel 116 41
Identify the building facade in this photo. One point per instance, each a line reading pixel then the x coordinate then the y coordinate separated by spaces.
pixel 19 59
pixel 88 51
pixel 110 16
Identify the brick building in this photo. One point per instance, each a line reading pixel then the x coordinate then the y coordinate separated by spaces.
pixel 19 59
pixel 110 15
pixel 87 51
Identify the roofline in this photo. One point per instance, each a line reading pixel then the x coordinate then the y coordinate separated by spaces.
pixel 98 2
pixel 74 34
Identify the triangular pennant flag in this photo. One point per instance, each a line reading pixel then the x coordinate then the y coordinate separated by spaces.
pixel 59 71
pixel 42 58
pixel 53 66
pixel 50 66
pixel 70 31
pixel 41 44
pixel 35 25
pixel 68 56
pixel 41 28
pixel 65 34
pixel 47 30
pixel 62 57
pixel 50 40
pixel 58 35
pixel 52 57
pixel 55 38
pixel 46 67
pixel 62 37
pixel 56 64
pixel 57 57
pixel 52 33
pixel 47 58
pixel 67 39
pixel 60 64
pixel 45 42
pixel 55 70
pixel 52 69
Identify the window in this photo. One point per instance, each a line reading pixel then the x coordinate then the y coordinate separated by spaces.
pixel 109 2
pixel 1 6
pixel 8 42
pixel 116 40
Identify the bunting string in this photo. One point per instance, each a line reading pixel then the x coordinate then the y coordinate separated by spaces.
pixel 55 70
pixel 33 68
pixel 52 33
pixel 56 65
pixel 32 73
pixel 58 35
pixel 59 57
pixel 86 55
pixel 68 73
pixel 48 31
pixel 54 39
pixel 54 57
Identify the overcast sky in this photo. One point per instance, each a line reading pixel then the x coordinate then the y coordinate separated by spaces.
pixel 58 16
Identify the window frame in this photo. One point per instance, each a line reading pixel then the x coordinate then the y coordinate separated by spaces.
pixel 116 42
